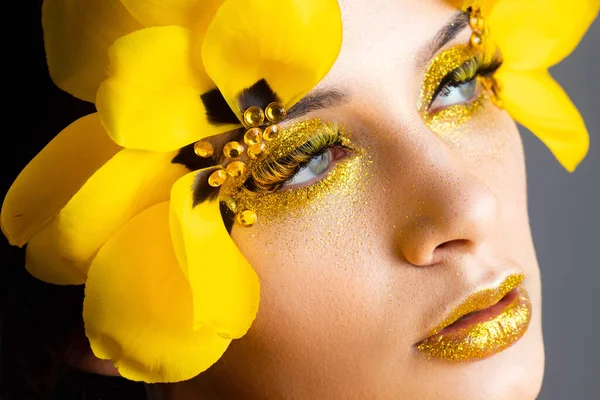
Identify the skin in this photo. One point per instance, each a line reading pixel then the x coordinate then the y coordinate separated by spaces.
pixel 347 291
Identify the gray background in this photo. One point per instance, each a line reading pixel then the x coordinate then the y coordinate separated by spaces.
pixel 565 219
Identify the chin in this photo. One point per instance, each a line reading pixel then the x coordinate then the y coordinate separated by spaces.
pixel 513 374
pixel 516 373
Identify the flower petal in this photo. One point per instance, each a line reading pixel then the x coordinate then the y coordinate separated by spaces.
pixel 48 182
pixel 191 14
pixel 537 34
pixel 138 306
pixel 77 35
pixel 129 183
pixel 225 288
pixel 291 44
pixel 537 102
pixel 151 100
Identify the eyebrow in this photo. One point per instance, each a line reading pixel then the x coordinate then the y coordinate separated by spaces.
pixel 316 100
pixel 459 21
pixel 329 98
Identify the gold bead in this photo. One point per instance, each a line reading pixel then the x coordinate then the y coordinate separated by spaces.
pixel 275 112
pixel 247 218
pixel 477 23
pixel 271 132
pixel 476 39
pixel 252 136
pixel 236 168
pixel 254 116
pixel 233 150
pixel 203 149
pixel 217 178
pixel 256 150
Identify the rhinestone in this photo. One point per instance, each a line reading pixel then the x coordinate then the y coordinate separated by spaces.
pixel 477 23
pixel 275 112
pixel 247 218
pixel 236 168
pixel 203 149
pixel 476 39
pixel 217 178
pixel 252 136
pixel 254 116
pixel 256 150
pixel 233 150
pixel 271 132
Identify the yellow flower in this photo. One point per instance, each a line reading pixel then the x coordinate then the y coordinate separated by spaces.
pixel 534 35
pixel 166 289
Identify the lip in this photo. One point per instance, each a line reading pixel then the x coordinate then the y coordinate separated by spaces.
pixel 485 323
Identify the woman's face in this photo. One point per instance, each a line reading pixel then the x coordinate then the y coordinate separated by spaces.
pixel 407 214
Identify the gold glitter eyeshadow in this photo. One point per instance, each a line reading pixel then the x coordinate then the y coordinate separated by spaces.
pixel 441 66
pixel 448 122
pixel 341 180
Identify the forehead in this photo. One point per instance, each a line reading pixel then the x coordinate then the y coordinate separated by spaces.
pixel 382 39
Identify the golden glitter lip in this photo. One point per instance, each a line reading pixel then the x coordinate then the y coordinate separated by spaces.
pixel 487 322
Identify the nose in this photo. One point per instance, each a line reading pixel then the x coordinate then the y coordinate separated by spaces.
pixel 453 216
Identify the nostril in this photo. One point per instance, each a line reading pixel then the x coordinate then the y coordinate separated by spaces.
pixel 453 244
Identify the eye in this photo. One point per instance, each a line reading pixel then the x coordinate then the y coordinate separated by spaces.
pixel 454 93
pixel 312 169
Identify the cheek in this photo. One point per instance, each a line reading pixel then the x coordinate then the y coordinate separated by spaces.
pixel 320 292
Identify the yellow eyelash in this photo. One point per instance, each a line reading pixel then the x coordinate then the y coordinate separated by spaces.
pixel 454 66
pixel 270 174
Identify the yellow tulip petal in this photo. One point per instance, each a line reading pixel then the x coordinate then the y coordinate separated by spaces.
pixel 537 102
pixel 539 33
pixel 193 14
pixel 138 306
pixel 48 182
pixel 291 44
pixel 151 100
pixel 77 35
pixel 225 288
pixel 129 183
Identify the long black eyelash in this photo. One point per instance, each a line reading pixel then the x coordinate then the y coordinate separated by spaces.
pixel 478 65
pixel 273 174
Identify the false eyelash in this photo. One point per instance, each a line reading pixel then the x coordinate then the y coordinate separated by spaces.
pixel 272 174
pixel 479 65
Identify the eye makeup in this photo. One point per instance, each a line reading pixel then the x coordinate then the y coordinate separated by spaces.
pixel 262 188
pixel 452 71
pixel 272 174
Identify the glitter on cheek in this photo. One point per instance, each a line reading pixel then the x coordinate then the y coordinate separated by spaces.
pixel 338 188
pixel 314 227
pixel 449 123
